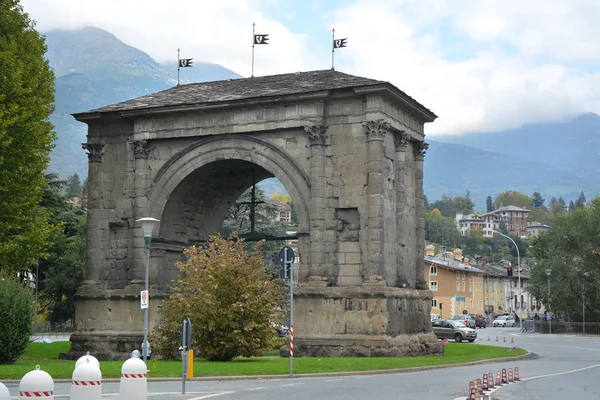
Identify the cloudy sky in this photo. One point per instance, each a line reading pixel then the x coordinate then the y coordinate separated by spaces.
pixel 481 65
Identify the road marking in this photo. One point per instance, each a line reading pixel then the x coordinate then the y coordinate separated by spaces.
pixel 571 371
pixel 292 384
pixel 212 395
pixel 333 380
pixel 257 388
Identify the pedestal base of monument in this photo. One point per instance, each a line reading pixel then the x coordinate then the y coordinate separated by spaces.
pixel 359 321
pixel 106 346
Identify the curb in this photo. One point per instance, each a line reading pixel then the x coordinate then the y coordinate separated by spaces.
pixel 314 375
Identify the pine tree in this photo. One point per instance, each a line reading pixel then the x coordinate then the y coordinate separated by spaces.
pixel 580 202
pixel 489 204
pixel 536 200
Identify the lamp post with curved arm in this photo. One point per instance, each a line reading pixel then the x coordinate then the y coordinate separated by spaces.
pixel 518 267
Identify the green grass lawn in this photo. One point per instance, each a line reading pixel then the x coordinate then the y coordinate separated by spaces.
pixel 46 356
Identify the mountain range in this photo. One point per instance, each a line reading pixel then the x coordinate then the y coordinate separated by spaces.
pixel 93 68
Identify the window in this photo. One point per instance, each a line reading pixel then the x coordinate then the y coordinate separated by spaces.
pixel 433 285
pixel 495 286
pixel 471 302
pixel 471 288
pixel 433 270
pixel 457 274
pixel 457 286
pixel 434 303
pixel 463 286
pixel 463 275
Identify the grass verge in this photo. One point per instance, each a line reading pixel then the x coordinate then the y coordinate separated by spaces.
pixel 46 356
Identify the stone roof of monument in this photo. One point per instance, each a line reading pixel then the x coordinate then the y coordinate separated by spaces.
pixel 262 87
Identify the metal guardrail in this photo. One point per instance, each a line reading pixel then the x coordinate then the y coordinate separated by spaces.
pixel 53 328
pixel 538 326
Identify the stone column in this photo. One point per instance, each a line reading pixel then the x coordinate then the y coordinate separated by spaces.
pixel 375 131
pixel 318 271
pixel 419 149
pixel 141 150
pixel 403 268
pixel 95 247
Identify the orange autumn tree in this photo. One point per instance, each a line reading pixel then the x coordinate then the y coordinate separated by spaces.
pixel 230 298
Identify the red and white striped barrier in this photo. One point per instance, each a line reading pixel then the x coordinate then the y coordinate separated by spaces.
pixel 291 340
pixel 87 382
pixel 36 384
pixel 134 382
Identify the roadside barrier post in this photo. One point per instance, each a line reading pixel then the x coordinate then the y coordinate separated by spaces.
pixel 517 374
pixel 485 383
pixel 510 375
pixel 134 383
pixel 504 378
pixel 87 382
pixel 4 393
pixel 498 379
pixel 491 379
pixel 36 384
pixel 87 358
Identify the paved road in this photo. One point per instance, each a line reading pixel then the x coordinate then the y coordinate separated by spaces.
pixel 565 367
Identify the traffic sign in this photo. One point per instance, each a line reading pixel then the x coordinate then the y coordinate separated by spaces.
pixel 549 299
pixel 286 255
pixel 144 299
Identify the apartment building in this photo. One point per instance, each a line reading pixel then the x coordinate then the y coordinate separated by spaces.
pixel 514 217
pixel 456 285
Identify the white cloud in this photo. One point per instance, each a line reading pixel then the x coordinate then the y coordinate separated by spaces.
pixel 479 64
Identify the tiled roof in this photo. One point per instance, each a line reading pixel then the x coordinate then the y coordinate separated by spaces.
pixel 255 88
pixel 453 264
pixel 511 208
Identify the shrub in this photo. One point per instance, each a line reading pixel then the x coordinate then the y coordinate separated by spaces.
pixel 16 320
pixel 230 299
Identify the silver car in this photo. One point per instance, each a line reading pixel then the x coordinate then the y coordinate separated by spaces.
pixel 466 319
pixel 452 329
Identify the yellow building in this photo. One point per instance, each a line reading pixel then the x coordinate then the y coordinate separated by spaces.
pixel 456 286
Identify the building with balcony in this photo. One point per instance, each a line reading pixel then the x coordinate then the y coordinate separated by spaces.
pixel 515 219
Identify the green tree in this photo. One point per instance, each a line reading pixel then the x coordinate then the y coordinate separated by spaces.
pixel 580 202
pixel 61 272
pixel 462 205
pixel 238 218
pixel 441 230
pixel 537 200
pixel 571 206
pixel 489 204
pixel 73 186
pixel 556 206
pixel 444 205
pixel 512 198
pixel 570 249
pixel 16 319
pixel 472 241
pixel 26 138
pixel 229 297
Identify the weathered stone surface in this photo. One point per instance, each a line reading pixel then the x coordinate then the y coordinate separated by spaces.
pixel 349 151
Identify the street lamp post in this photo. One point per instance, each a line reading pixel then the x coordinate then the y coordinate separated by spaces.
pixel 147 227
pixel 548 273
pixel 518 268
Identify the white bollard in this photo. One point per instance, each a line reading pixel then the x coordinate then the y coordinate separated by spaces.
pixel 134 384
pixel 87 358
pixel 87 382
pixel 4 393
pixel 37 384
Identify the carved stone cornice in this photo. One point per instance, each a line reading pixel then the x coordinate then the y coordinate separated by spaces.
pixel 95 151
pixel 419 149
pixel 317 134
pixel 376 130
pixel 402 138
pixel 140 148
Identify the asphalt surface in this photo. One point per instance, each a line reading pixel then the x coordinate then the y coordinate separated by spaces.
pixel 561 367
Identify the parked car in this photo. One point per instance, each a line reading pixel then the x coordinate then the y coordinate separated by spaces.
pixel 435 316
pixel 453 329
pixel 465 319
pixel 479 320
pixel 504 320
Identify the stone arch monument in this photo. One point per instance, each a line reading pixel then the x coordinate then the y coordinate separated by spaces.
pixel 349 150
